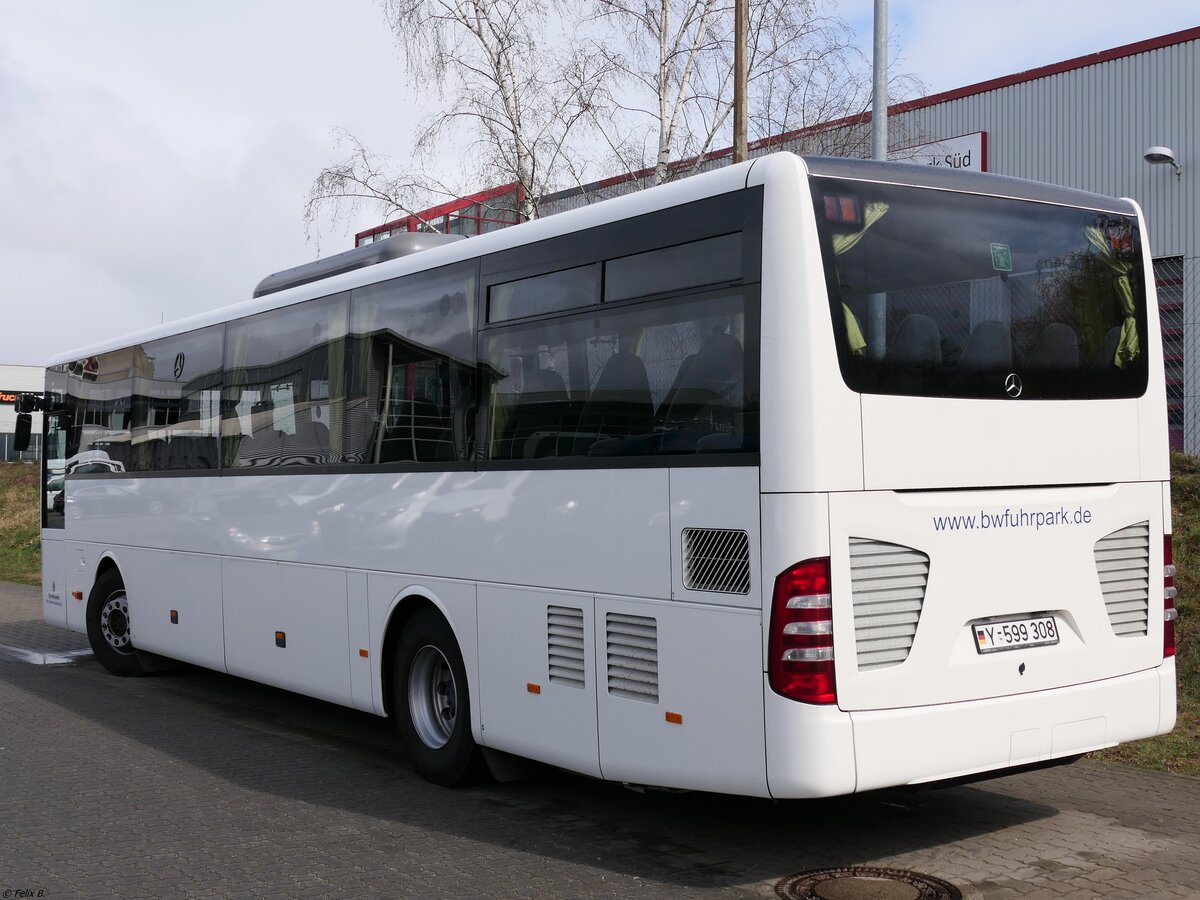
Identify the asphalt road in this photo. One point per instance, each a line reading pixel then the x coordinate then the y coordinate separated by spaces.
pixel 198 784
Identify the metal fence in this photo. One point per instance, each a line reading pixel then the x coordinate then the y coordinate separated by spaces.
pixel 8 451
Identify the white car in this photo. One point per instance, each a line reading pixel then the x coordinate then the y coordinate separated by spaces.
pixel 92 461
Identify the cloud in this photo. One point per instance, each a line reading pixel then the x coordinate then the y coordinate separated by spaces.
pixel 155 163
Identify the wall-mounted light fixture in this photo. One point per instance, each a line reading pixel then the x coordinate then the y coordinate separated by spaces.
pixel 1161 155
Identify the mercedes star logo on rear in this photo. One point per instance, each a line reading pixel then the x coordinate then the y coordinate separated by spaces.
pixel 1012 385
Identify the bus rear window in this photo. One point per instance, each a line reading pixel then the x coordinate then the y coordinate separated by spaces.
pixel 944 294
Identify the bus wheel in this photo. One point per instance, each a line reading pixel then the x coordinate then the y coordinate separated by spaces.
pixel 108 626
pixel 430 700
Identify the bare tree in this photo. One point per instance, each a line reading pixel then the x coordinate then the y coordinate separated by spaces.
pixel 533 93
pixel 515 95
pixel 671 50
pixel 519 94
pixel 676 66
pixel 363 177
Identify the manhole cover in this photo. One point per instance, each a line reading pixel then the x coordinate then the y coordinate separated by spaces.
pixel 865 883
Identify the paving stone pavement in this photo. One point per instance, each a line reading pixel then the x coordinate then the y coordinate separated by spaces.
pixel 197 784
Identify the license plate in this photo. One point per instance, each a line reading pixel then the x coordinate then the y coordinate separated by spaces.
pixel 1012 634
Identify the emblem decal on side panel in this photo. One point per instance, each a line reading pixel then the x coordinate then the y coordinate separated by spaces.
pixel 1013 386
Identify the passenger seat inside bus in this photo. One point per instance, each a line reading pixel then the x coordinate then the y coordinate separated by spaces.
pixel 619 405
pixel 989 348
pixel 543 414
pixel 1108 350
pixel 914 354
pixel 709 391
pixel 703 410
pixel 1057 348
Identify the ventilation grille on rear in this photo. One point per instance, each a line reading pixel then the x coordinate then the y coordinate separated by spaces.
pixel 564 643
pixel 717 560
pixel 631 643
pixel 1123 564
pixel 887 582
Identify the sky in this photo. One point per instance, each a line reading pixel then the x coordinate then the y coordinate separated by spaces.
pixel 155 156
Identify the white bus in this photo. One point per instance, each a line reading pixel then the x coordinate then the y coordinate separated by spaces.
pixel 794 479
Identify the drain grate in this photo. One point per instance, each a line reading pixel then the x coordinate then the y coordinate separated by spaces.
pixel 865 883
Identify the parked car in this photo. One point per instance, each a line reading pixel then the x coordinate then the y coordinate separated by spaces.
pixel 92 461
pixel 54 492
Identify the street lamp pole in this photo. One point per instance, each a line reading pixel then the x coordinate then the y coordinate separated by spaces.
pixel 879 93
pixel 877 303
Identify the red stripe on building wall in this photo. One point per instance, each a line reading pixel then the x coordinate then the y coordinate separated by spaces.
pixel 1069 65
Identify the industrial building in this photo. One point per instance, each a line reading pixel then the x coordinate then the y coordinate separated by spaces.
pixel 1121 122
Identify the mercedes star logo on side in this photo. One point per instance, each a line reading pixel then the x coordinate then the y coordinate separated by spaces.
pixel 1013 386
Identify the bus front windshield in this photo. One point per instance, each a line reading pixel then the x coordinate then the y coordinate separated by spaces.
pixel 944 294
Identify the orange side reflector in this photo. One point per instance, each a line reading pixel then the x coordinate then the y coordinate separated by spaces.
pixel 363 653
pixel 675 718
pixel 280 639
pixel 174 617
pixel 533 688
pixel 78 595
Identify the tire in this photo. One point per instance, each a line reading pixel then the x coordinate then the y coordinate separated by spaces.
pixel 108 626
pixel 431 703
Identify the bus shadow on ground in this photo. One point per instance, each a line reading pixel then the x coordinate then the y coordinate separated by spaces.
pixel 299 749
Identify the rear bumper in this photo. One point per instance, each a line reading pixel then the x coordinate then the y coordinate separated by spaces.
pixel 821 751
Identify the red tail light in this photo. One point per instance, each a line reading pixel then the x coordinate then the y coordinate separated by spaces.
pixel 800 646
pixel 1170 614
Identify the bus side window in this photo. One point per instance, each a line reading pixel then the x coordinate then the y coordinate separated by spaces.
pixel 281 368
pixel 412 378
pixel 666 377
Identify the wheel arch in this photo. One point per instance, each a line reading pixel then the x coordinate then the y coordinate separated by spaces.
pixel 108 560
pixel 404 606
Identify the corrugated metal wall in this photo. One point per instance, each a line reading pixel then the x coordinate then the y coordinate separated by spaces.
pixel 1088 128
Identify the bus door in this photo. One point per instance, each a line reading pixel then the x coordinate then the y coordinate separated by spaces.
pixel 55 595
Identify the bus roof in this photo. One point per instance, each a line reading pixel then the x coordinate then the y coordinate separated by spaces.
pixel 944 178
pixel 686 190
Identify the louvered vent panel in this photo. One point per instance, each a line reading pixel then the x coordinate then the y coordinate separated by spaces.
pixel 564 643
pixel 1123 564
pixel 887 582
pixel 717 560
pixel 631 643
